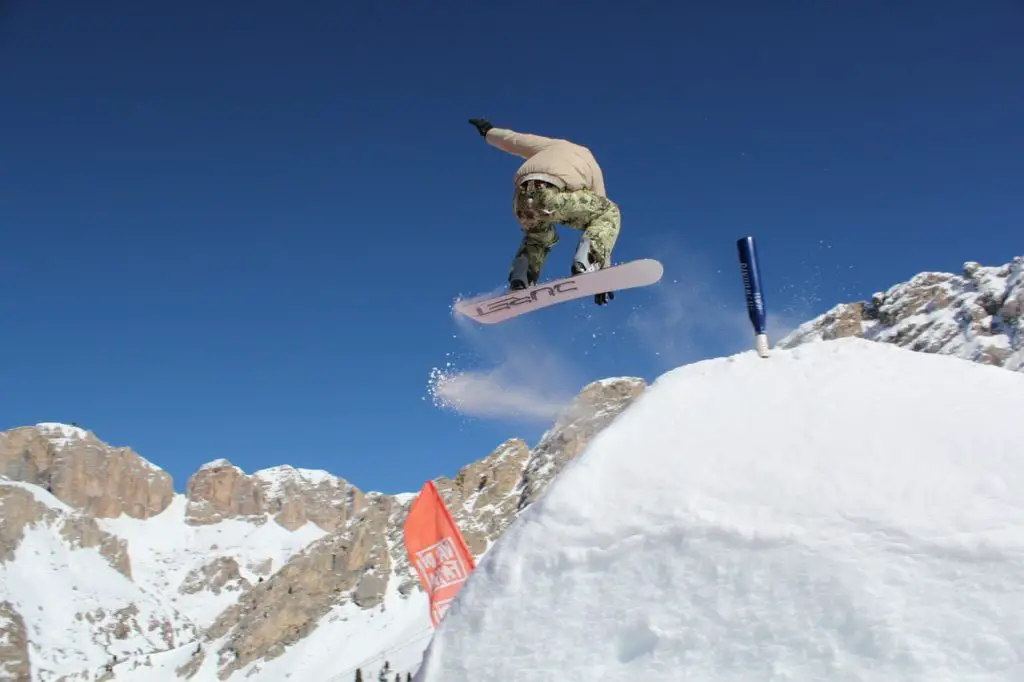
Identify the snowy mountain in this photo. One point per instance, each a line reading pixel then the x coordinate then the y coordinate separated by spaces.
pixel 280 574
pixel 72 586
pixel 976 315
pixel 295 574
pixel 841 511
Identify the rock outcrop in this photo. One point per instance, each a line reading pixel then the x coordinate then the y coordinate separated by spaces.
pixel 482 496
pixel 14 656
pixel 221 574
pixel 351 564
pixel 69 591
pixel 83 472
pixel 297 496
pixel 293 497
pixel 220 490
pixel 593 409
pixel 20 510
pixel 977 315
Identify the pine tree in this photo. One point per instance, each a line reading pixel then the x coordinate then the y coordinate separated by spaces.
pixel 359 675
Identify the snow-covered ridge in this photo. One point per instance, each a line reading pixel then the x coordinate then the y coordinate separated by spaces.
pixel 977 315
pixel 610 381
pixel 219 463
pixel 275 478
pixel 43 497
pixel 828 513
pixel 61 434
pixel 167 553
pixel 72 586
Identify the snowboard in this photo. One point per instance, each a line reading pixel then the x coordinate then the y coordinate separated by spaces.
pixel 504 306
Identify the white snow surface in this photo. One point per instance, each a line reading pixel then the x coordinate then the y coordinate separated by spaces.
pixel 276 478
pixel 61 434
pixel 217 464
pixel 404 498
pixel 849 510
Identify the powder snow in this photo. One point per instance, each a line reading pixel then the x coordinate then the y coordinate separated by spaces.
pixel 847 510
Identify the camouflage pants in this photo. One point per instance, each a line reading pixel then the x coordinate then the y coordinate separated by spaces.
pixel 539 207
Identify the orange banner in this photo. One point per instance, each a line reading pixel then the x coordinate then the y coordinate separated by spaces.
pixel 436 550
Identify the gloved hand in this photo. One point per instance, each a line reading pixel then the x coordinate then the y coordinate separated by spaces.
pixel 482 124
pixel 602 299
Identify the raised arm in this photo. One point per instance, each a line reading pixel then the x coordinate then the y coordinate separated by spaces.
pixel 520 144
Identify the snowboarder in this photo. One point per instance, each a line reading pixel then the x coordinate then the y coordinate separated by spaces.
pixel 560 182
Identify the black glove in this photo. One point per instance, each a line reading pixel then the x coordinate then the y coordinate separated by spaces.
pixel 482 124
pixel 602 299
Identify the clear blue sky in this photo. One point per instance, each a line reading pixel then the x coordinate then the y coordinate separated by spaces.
pixel 235 229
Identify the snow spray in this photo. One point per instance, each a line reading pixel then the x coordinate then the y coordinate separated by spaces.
pixel 752 288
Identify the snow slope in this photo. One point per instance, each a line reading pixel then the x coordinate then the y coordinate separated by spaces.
pixel 82 614
pixel 79 611
pixel 168 556
pixel 72 601
pixel 841 511
pixel 345 639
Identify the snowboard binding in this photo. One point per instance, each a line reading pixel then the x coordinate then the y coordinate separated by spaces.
pixel 584 261
pixel 519 276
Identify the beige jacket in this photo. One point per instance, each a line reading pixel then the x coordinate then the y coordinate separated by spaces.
pixel 563 163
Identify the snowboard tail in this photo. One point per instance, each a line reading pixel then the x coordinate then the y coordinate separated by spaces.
pixel 493 309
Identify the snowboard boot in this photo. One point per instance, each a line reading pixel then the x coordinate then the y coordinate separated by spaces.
pixel 584 261
pixel 520 276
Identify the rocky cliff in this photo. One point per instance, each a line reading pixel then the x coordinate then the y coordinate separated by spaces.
pixel 292 497
pixel 83 472
pixel 976 314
